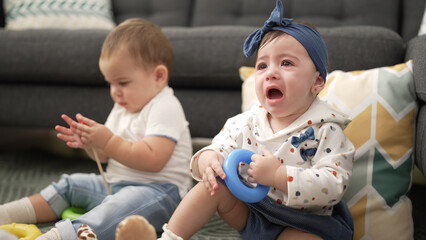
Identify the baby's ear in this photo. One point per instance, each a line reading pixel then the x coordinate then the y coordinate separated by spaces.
pixel 318 84
pixel 161 73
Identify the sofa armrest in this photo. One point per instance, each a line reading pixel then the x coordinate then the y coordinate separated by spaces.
pixel 416 50
pixel 420 147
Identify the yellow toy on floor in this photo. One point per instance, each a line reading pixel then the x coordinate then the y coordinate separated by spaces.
pixel 22 231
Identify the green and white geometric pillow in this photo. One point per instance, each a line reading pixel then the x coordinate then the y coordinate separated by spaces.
pixel 64 14
pixel 382 104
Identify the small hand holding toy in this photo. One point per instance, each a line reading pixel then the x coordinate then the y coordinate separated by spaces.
pixel 238 188
pixel 92 132
pixel 74 139
pixel 263 168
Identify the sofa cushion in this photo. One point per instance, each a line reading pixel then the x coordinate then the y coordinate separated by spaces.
pixel 205 57
pixel 41 105
pixel 64 14
pixel 362 47
pixel 208 57
pixel 51 56
pixel 160 12
pixel 213 54
pixel 225 12
pixel 205 77
pixel 325 13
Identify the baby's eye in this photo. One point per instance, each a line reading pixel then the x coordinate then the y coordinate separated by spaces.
pixel 123 83
pixel 261 66
pixel 286 63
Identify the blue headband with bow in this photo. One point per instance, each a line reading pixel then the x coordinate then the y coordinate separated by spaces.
pixel 310 39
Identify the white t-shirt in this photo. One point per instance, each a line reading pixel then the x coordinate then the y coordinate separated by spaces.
pixel 162 116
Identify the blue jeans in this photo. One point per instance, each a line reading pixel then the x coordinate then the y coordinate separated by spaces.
pixel 155 201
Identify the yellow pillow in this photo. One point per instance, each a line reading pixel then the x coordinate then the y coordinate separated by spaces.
pixel 382 104
pixel 248 93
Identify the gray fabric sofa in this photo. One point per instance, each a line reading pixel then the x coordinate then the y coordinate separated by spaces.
pixel 44 73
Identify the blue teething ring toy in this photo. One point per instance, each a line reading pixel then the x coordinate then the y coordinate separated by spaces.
pixel 73 213
pixel 238 188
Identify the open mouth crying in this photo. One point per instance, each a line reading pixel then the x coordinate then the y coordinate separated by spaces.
pixel 274 94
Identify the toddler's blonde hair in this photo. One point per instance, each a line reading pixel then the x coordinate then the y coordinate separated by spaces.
pixel 144 40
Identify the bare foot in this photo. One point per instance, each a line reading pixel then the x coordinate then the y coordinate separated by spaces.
pixel 135 228
pixel 86 233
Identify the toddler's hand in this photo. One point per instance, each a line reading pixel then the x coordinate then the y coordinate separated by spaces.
pixel 262 168
pixel 91 132
pixel 69 135
pixel 210 163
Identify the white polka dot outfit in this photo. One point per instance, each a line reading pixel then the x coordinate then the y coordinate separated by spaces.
pixel 317 155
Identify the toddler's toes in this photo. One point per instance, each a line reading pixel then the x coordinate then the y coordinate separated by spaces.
pixel 86 233
pixel 135 228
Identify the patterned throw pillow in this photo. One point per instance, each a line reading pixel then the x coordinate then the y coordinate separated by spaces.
pixel 65 14
pixel 382 104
